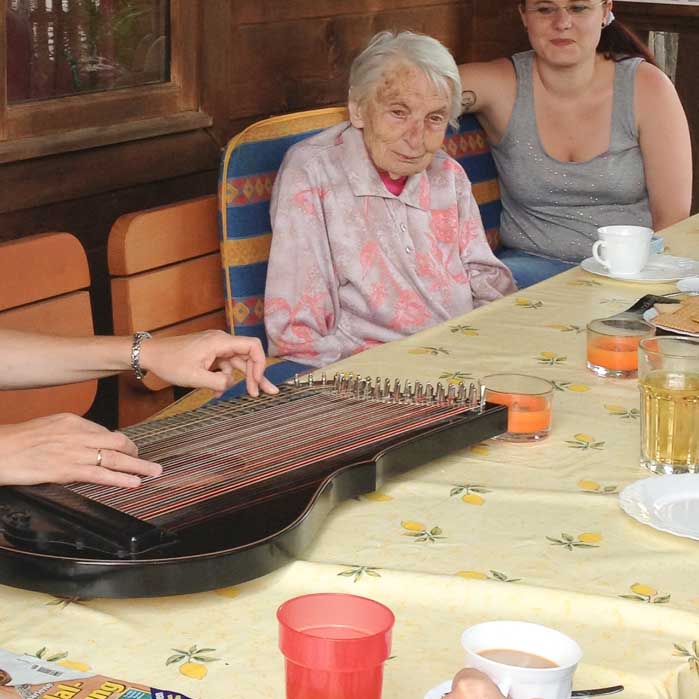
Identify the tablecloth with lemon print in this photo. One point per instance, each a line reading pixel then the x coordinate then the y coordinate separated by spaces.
pixel 497 531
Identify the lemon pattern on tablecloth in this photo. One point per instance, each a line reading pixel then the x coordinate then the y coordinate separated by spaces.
pixel 551 358
pixel 597 488
pixel 584 282
pixel 470 494
pixel 568 386
pixel 692 655
pixel 584 442
pixel 194 659
pixel 480 449
pixel 490 575
pixel 454 378
pixel 358 572
pixel 61 658
pixel 527 303
pixel 419 532
pixel 647 594
pixel 228 592
pixel 376 496
pixel 586 540
pixel 434 351
pixel 466 330
pixel 566 328
pixel 622 412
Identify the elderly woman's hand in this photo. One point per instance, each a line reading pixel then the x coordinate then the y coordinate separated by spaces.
pixel 472 684
pixel 66 448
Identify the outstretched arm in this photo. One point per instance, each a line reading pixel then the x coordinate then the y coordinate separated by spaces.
pixel 665 146
pixel 200 360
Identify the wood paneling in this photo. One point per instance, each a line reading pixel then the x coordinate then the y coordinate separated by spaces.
pixel 268 58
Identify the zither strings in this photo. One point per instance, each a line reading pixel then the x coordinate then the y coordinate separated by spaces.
pixel 235 444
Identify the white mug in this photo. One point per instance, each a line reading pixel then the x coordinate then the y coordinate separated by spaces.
pixel 626 249
pixel 524 682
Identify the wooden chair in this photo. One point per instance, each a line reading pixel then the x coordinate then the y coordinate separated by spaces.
pixel 44 287
pixel 165 278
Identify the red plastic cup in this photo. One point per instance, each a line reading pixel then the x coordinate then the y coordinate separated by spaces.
pixel 334 646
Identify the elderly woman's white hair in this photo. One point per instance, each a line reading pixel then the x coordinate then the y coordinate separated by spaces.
pixel 424 52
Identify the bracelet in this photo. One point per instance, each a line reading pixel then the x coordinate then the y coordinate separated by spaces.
pixel 136 354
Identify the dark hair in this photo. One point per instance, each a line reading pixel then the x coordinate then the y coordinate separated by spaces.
pixel 618 43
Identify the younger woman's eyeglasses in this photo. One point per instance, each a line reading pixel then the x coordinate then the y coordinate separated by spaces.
pixel 575 9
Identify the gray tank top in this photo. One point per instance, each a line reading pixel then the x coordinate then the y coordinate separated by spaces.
pixel 553 208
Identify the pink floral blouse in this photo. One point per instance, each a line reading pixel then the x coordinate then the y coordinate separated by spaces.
pixel 352 265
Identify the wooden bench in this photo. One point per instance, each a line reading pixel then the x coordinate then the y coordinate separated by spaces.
pixel 44 287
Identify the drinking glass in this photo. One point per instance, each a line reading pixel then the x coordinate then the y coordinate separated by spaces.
pixel 668 377
pixel 528 399
pixel 334 645
pixel 612 346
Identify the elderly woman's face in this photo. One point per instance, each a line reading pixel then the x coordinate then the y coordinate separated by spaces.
pixel 403 120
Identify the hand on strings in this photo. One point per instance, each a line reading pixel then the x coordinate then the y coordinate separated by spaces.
pixel 65 449
pixel 472 684
pixel 207 360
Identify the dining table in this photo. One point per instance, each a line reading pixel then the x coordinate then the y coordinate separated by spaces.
pixel 496 530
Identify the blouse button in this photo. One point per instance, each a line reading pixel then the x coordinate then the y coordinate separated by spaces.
pixel 403 227
pixel 408 250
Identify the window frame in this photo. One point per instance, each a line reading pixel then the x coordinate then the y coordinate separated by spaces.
pixel 48 126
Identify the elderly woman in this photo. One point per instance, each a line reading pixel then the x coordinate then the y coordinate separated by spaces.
pixel 376 234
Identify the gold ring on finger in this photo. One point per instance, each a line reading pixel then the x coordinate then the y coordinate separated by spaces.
pixel 99 457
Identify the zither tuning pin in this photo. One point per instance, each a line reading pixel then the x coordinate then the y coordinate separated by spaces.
pixel 461 396
pixel 396 395
pixel 419 392
pixel 429 393
pixel 451 394
pixel 440 393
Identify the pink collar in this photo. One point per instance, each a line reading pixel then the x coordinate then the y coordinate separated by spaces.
pixel 395 187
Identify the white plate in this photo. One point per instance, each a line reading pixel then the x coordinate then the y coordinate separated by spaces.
pixel 439 691
pixel 690 285
pixel 660 268
pixel 667 503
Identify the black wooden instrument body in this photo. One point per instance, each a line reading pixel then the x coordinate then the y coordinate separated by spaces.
pixel 56 541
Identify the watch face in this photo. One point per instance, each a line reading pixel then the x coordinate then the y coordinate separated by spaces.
pixel 5 677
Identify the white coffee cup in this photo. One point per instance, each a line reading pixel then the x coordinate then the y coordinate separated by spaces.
pixel 524 682
pixel 626 249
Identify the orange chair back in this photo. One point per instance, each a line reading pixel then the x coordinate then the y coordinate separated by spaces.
pixel 44 287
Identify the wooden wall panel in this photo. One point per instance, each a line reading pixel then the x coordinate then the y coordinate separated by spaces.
pixel 268 58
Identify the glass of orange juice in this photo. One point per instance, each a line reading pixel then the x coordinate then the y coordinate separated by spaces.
pixel 528 399
pixel 668 378
pixel 612 346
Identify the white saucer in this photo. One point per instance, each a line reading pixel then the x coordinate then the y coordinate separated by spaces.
pixel 667 503
pixel 690 285
pixel 660 268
